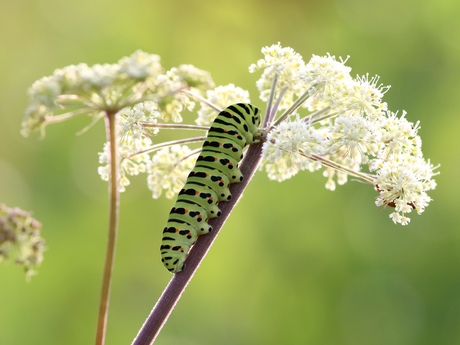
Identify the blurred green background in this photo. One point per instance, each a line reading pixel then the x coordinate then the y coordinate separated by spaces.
pixel 295 264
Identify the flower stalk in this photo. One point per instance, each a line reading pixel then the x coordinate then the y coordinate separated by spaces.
pixel 114 206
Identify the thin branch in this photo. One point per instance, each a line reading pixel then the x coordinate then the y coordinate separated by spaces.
pixel 91 124
pixel 170 143
pixel 114 198
pixel 298 102
pixel 174 126
pixel 315 117
pixel 277 103
pixel 270 111
pixel 65 116
pixel 340 168
pixel 171 295
pixel 201 99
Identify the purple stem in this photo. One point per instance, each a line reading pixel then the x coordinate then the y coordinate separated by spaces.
pixel 171 295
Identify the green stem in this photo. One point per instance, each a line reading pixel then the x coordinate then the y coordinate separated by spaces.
pixel 114 198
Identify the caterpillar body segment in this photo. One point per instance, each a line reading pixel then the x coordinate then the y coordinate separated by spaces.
pixel 222 162
pixel 203 195
pixel 225 146
pixel 215 179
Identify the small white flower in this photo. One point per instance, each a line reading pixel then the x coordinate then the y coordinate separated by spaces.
pixel 172 103
pixel 288 147
pixel 328 80
pixel 402 182
pixel 288 66
pixel 168 170
pixel 92 90
pixel 222 97
pixel 140 65
pixel 399 136
pixel 44 91
pixel 131 119
pixel 132 139
pixel 97 77
pixel 194 78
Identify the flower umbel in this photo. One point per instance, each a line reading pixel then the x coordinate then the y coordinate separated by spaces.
pixel 349 131
pixel 285 63
pixel 20 238
pixel 168 170
pixel 220 98
pixel 94 90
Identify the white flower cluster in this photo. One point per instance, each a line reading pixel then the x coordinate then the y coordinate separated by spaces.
pixel 132 140
pixel 136 127
pixel 221 97
pixel 286 64
pixel 168 170
pixel 171 103
pixel 136 90
pixel 350 130
pixel 166 165
pixel 347 129
pixel 287 149
pixel 92 89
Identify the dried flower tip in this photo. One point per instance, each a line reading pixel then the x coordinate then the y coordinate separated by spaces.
pixel 20 238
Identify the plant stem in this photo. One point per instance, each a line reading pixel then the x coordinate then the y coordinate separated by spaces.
pixel 171 295
pixel 174 126
pixel 114 198
pixel 170 143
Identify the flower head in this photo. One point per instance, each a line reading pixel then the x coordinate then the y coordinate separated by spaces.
pixel 402 182
pixel 20 238
pixel 287 65
pixel 102 88
pixel 349 131
pixel 140 65
pixel 168 170
pixel 288 147
pixel 221 97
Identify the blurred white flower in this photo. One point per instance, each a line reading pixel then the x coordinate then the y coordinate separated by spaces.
pixel 221 97
pixel 168 169
pixel 288 66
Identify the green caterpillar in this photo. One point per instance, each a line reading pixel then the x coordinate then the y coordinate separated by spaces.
pixel 207 184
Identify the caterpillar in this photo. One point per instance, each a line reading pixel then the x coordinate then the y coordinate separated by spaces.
pixel 215 169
